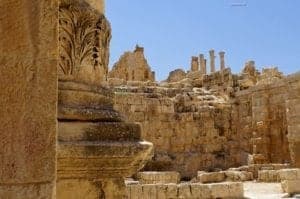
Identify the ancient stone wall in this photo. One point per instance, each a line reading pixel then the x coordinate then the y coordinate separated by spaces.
pixel 218 120
pixel 190 128
pixel 260 115
pixel 132 66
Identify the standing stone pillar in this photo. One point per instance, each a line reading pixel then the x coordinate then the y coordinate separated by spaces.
pixel 212 61
pixel 261 127
pixel 194 64
pixel 222 60
pixel 293 119
pixel 96 148
pixel 28 98
pixel 202 64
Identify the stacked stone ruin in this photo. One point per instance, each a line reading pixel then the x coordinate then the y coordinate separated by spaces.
pixel 73 129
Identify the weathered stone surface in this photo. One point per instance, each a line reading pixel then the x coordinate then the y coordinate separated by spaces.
pixel 28 97
pixel 176 75
pixel 211 177
pixel 187 191
pixel 290 186
pixel 158 177
pixel 132 66
pixel 227 190
pixel 268 176
pixel 289 174
pixel 238 176
pixel 201 191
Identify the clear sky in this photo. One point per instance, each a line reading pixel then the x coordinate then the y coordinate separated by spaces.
pixel 171 31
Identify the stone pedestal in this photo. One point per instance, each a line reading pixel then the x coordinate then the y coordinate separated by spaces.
pixel 96 149
pixel 28 97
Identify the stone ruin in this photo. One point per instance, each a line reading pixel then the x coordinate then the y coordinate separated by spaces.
pixel 132 66
pixel 70 128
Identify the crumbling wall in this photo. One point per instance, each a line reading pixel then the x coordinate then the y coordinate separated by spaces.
pixel 190 129
pixel 260 116
pixel 132 66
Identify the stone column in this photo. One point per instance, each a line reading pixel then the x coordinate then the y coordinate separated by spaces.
pixel 222 60
pixel 28 98
pixel 212 61
pixel 194 64
pixel 202 64
pixel 96 148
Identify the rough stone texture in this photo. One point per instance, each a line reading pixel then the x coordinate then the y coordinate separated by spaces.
pixel 158 177
pixel 268 176
pixel 28 84
pixel 293 118
pixel 211 177
pixel 186 191
pixel 289 174
pixel 96 147
pixel 176 75
pixel 231 120
pixel 290 179
pixel 227 190
pixel 183 123
pixel 290 186
pixel 132 66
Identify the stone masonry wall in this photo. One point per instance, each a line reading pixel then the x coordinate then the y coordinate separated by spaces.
pixel 190 128
pixel 216 126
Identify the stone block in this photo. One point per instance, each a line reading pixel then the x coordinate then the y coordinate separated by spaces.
pixel 227 190
pixel 184 190
pixel 289 174
pixel 161 191
pixel 172 190
pixel 211 177
pixel 291 186
pixel 268 176
pixel 237 176
pixel 149 191
pixel 136 191
pixel 201 191
pixel 158 177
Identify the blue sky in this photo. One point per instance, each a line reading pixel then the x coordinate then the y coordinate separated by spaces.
pixel 171 31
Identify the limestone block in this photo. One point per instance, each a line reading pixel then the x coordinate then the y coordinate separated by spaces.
pixel 211 177
pixel 184 190
pixel 136 191
pixel 201 191
pixel 158 177
pixel 162 191
pixel 172 191
pixel 227 190
pixel 289 174
pixel 149 191
pixel 75 188
pixel 291 186
pixel 268 176
pixel 238 176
